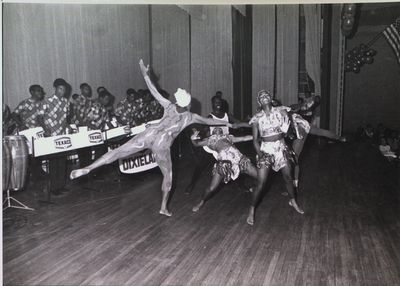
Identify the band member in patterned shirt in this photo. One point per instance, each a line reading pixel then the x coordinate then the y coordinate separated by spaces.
pixel 25 114
pixel 126 108
pixel 157 137
pixel 81 105
pixel 55 118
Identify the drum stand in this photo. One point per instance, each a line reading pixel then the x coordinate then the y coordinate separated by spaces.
pixel 18 205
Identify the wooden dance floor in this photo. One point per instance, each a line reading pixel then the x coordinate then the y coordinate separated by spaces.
pixel 113 234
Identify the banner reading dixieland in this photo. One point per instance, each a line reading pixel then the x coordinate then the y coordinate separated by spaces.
pixel 139 162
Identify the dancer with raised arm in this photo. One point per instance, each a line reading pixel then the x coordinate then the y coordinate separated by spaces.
pixel 271 124
pixel 230 162
pixel 157 137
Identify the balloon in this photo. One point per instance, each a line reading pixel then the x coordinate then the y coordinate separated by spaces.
pixel 364 59
pixel 349 56
pixel 363 47
pixel 348 68
pixel 373 52
pixel 356 69
pixel 369 60
pixel 359 63
pixel 349 9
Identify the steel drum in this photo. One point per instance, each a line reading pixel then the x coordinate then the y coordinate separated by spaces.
pixel 19 160
pixel 6 166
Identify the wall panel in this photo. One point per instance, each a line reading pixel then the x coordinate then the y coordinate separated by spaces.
pixel 263 50
pixel 98 44
pixel 211 56
pixel 171 47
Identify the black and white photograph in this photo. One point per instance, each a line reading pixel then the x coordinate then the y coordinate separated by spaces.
pixel 226 143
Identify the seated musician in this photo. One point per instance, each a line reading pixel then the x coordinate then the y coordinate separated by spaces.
pixel 55 119
pixel 126 108
pixel 81 104
pixel 9 124
pixel 25 114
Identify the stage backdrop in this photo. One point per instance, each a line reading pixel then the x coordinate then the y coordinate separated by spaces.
pixel 170 47
pixel 263 50
pixel 98 44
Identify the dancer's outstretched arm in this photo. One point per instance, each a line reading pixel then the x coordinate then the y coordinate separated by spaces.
pixel 200 143
pixel 242 138
pixel 210 121
pixel 145 69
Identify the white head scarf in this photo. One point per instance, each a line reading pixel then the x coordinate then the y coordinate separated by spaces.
pixel 182 97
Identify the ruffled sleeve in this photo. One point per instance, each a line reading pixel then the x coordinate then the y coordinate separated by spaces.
pixel 254 119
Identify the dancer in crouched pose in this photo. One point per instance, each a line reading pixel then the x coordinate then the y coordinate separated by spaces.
pixel 157 137
pixel 230 161
pixel 271 124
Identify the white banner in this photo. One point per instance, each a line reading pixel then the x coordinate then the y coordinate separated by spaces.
pixel 67 142
pixel 137 163
pixel 32 133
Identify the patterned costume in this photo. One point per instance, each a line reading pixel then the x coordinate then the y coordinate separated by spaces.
pixel 97 115
pixel 300 125
pixel 80 107
pixel 125 111
pixel 28 110
pixel 55 111
pixel 275 154
pixel 230 162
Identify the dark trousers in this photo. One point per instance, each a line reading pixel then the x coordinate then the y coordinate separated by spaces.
pixel 85 156
pixel 57 171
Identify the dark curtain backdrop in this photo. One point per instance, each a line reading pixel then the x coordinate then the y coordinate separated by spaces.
pixel 211 55
pixel 171 47
pixel 287 54
pixel 263 50
pixel 98 44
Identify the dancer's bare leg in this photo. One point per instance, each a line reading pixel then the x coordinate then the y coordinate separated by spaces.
pixel 215 181
pixel 262 178
pixel 314 130
pixel 298 145
pixel 252 172
pixel 131 147
pixel 163 158
pixel 287 176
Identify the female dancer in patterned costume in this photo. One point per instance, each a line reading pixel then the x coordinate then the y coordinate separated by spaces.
pixel 271 123
pixel 230 162
pixel 157 137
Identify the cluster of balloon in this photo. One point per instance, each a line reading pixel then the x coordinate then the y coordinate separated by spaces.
pixel 357 57
pixel 348 18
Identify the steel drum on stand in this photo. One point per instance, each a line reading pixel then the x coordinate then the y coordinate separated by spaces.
pixel 18 167
pixel 19 160
pixel 6 166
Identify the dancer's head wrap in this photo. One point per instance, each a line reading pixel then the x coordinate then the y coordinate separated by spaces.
pixel 182 97
pixel 263 93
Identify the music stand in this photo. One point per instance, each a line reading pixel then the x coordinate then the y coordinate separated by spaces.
pixel 19 205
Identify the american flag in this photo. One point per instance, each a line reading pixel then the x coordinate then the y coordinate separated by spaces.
pixel 392 35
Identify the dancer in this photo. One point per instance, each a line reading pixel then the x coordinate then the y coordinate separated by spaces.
pixel 302 128
pixel 202 159
pixel 230 162
pixel 157 137
pixel 272 123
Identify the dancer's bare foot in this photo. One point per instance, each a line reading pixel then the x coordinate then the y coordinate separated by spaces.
pixel 250 217
pixel 79 172
pixel 293 204
pixel 165 212
pixel 198 206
